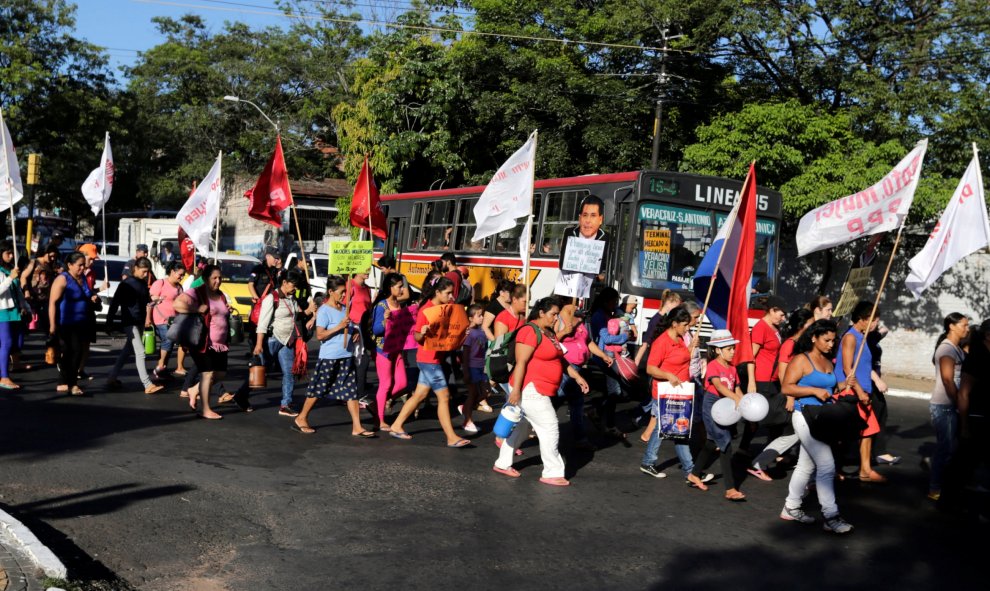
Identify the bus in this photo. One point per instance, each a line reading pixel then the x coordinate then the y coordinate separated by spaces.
pixel 660 224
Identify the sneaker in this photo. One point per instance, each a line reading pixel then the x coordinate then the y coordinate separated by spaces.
pixel 287 411
pixel 836 524
pixel 470 428
pixel 652 471
pixel 888 459
pixel 797 515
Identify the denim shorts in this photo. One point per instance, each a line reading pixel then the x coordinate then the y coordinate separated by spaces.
pixel 431 374
pixel 166 345
pixel 477 375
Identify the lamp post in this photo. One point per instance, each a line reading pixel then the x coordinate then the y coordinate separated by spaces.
pixel 295 216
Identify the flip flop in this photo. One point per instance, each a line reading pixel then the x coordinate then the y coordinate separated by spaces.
pixel 364 435
pixel 400 435
pixel 9 387
pixel 303 430
pixel 874 477
pixel 226 397
pixel 461 443
pixel 510 471
pixel 216 418
pixel 77 392
pixel 759 474
pixel 736 497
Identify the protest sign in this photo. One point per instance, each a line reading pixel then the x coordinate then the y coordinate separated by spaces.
pixel 350 257
pixel 583 255
pixel 447 329
pixel 853 290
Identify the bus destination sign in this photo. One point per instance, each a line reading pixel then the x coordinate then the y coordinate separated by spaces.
pixel 705 191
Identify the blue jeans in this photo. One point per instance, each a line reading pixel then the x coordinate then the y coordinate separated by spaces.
pixel 286 358
pixel 945 420
pixel 575 405
pixel 683 450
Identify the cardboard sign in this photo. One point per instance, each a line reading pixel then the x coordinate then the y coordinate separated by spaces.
pixel 350 257
pixel 583 255
pixel 399 323
pixel 448 327
pixel 854 289
pixel 573 285
pixel 673 408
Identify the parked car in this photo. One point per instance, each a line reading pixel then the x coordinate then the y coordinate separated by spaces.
pixel 114 266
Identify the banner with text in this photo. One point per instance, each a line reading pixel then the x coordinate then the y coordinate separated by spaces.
pixel 347 257
pixel 447 329
pixel 853 291
pixel 584 255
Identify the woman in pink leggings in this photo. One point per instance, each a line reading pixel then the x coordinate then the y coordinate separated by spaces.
pixel 390 323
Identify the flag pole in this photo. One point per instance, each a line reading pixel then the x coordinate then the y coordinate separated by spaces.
pixel 295 217
pixel 718 262
pixel 216 235
pixel 106 270
pixel 10 185
pixel 979 176
pixel 528 224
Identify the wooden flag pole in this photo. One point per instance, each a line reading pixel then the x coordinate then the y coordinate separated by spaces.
pixel 10 188
pixel 527 226
pixel 295 218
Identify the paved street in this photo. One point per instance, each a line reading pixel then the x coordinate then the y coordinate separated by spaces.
pixel 135 486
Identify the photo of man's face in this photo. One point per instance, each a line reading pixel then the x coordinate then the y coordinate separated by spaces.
pixel 590 220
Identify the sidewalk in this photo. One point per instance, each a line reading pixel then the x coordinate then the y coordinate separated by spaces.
pixel 24 560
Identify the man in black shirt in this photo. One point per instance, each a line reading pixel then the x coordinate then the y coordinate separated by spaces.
pixel 265 275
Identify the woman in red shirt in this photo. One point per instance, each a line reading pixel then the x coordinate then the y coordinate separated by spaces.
pixel 509 320
pixel 540 366
pixel 762 373
pixel 431 376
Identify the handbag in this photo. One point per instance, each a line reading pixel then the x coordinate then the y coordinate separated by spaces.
pixel 189 331
pixel 836 422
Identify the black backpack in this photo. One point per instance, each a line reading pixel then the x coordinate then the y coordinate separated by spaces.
pixel 501 357
pixel 465 295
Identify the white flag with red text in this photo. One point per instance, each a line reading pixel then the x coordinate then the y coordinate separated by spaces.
pixel 99 183
pixel 880 208
pixel 962 230
pixel 11 189
pixel 199 215
pixel 509 195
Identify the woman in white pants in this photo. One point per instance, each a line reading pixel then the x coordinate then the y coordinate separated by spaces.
pixel 540 366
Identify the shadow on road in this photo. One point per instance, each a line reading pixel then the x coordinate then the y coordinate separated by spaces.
pixel 97 501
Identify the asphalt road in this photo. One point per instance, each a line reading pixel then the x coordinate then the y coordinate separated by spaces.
pixel 129 485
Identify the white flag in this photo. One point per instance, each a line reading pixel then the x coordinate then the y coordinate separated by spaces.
pixel 963 229
pixel 99 183
pixel 11 189
pixel 509 195
pixel 198 216
pixel 880 208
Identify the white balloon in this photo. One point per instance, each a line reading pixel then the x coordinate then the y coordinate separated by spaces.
pixel 754 407
pixel 725 412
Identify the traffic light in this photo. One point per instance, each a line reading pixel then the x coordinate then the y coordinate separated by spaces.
pixel 34 169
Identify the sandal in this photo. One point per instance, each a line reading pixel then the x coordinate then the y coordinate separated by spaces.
pixel 461 443
pixel 759 474
pixel 364 435
pixel 226 397
pixel 304 429
pixel 874 477
pixel 400 435
pixel 77 391
pixel 510 471
pixel 735 497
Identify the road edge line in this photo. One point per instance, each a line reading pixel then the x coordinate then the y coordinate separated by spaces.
pixel 40 554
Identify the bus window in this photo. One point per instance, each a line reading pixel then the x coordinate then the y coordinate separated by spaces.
pixel 508 241
pixel 416 239
pixel 465 228
pixel 561 214
pixel 763 261
pixel 438 225
pixel 669 244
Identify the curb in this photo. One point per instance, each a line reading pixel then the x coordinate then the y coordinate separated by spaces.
pixel 22 537
pixel 909 394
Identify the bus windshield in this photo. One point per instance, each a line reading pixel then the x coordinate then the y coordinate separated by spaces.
pixel 671 241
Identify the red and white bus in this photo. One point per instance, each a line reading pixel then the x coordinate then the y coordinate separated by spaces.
pixel 684 210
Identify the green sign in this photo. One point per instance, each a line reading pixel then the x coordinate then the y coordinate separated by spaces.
pixel 350 257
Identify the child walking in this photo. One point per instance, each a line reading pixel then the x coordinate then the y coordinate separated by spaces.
pixel 473 364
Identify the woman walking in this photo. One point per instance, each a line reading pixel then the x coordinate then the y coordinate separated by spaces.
pixel 499 303
pixel 765 338
pixel 536 377
pixel 431 376
pixel 163 294
pixel 602 310
pixel 669 361
pixel 334 376
pixel 12 308
pixel 948 360
pixel 277 324
pixel 390 327
pixel 810 380
pixel 68 317
pixel 134 303
pixel 211 359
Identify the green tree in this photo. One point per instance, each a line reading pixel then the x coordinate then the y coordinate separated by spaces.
pixel 58 96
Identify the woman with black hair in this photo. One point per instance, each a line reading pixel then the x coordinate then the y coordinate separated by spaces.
pixel 12 307
pixel 810 381
pixel 431 374
pixel 798 321
pixel 389 327
pixel 536 377
pixel 163 294
pixel 948 360
pixel 68 316
pixel 602 310
pixel 133 301
pixel 211 359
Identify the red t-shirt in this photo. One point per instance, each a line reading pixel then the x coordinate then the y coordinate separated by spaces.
pixel 786 351
pixel 768 339
pixel 424 355
pixel 360 302
pixel 717 371
pixel 545 369
pixel 671 356
pixel 457 279
pixel 510 319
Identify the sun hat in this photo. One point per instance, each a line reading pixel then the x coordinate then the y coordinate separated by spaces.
pixel 722 338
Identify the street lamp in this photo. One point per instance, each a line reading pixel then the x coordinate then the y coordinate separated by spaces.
pixel 235 99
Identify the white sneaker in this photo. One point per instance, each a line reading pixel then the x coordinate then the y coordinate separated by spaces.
pixel 797 515
pixel 836 524
pixel 470 427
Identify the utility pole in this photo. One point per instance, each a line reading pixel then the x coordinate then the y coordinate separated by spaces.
pixel 661 82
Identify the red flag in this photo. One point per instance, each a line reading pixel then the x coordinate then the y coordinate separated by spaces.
pixel 271 194
pixel 366 199
pixel 737 318
pixel 187 251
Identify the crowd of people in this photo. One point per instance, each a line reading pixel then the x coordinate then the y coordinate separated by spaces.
pixel 803 360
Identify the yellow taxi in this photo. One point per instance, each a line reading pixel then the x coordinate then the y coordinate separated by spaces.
pixel 236 269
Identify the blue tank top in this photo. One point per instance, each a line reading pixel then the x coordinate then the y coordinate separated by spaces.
pixel 865 367
pixel 815 379
pixel 74 307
